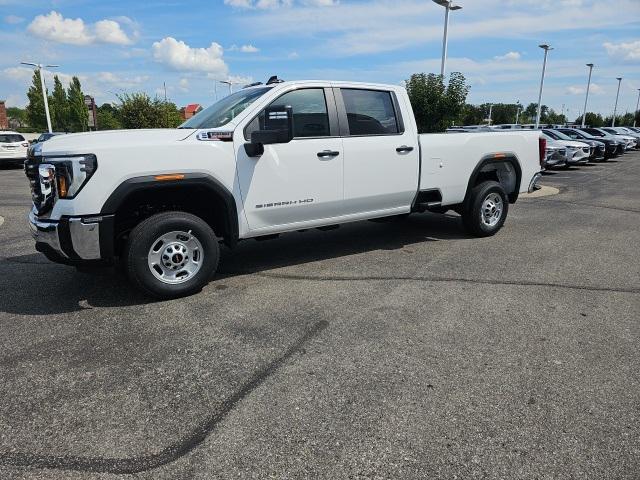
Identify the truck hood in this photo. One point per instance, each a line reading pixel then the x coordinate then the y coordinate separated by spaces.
pixel 86 142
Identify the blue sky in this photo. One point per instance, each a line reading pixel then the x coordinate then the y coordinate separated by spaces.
pixel 126 46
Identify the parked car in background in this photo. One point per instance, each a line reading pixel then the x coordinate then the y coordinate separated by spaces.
pixel 610 146
pixel 13 148
pixel 625 133
pixel 601 134
pixel 578 153
pixel 46 136
pixel 555 155
pixel 596 148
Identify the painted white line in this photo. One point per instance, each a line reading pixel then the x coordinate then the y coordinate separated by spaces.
pixel 1 221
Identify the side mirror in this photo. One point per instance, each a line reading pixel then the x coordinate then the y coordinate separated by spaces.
pixel 278 128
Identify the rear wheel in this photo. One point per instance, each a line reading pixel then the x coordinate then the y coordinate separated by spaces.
pixel 485 211
pixel 172 254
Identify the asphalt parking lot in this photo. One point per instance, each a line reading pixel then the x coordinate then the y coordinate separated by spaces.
pixel 395 350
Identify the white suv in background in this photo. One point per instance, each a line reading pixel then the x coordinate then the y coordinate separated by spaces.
pixel 13 148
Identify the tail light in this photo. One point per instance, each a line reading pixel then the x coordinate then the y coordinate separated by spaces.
pixel 542 147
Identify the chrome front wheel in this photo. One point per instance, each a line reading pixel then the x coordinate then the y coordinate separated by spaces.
pixel 175 257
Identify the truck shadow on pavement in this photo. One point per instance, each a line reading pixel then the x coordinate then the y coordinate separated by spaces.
pixel 32 285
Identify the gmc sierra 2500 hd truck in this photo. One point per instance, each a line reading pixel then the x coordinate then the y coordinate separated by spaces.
pixel 265 160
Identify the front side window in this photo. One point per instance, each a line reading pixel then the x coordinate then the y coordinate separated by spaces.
pixel 310 116
pixel 224 111
pixel 370 112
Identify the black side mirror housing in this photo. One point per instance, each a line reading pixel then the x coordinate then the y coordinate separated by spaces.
pixel 278 128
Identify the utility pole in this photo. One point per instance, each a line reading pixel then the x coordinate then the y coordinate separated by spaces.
pixel 448 5
pixel 615 108
pixel 166 110
pixel 546 49
pixel 38 66
pixel 635 115
pixel 586 98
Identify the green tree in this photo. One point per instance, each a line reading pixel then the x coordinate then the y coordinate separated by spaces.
pixel 36 116
pixel 108 117
pixel 138 110
pixel 592 119
pixel 437 106
pixel 18 116
pixel 78 116
pixel 625 120
pixel 553 117
pixel 59 107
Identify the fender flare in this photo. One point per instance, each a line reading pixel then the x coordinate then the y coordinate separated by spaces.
pixel 510 158
pixel 148 182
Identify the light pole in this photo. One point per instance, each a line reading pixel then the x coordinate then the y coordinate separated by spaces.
pixel 615 108
pixel 636 112
pixel 517 111
pixel 38 67
pixel 448 5
pixel 586 98
pixel 546 49
pixel 490 113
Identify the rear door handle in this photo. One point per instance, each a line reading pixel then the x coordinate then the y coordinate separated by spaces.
pixel 328 154
pixel 404 149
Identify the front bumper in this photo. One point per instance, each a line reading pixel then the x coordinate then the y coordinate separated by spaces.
pixel 74 240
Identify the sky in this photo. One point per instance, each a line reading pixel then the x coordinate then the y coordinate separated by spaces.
pixel 117 46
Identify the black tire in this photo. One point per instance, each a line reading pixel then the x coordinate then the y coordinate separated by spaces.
pixel 472 214
pixel 146 234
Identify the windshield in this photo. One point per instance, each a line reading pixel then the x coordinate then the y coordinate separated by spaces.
pixel 225 110
pixel 551 134
pixel 561 135
pixel 11 138
pixel 594 132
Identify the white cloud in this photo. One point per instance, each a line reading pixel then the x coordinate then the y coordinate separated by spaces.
pixel 110 78
pixel 594 89
pixel 179 56
pixel 13 19
pixel 244 49
pixel 273 4
pixel 55 27
pixel 626 51
pixel 183 85
pixel 509 56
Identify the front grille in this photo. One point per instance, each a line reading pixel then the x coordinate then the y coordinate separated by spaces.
pixel 40 202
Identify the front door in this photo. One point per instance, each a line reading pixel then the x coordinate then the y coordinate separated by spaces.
pixel 299 181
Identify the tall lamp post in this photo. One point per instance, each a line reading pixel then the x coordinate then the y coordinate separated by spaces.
pixel 615 108
pixel 518 106
pixel 448 5
pixel 38 66
pixel 586 98
pixel 636 112
pixel 546 49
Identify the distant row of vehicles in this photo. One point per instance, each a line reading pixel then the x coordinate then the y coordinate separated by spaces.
pixel 569 145
pixel 13 146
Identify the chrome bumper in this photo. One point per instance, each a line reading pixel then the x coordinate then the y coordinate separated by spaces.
pixel 71 238
pixel 533 185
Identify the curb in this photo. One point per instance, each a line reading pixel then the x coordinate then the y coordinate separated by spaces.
pixel 544 191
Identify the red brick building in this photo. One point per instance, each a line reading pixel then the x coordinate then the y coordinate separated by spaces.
pixel 190 110
pixel 4 121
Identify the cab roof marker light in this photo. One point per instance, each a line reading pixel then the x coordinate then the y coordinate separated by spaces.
pixel 169 177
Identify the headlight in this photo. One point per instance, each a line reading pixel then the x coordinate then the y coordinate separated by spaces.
pixel 72 173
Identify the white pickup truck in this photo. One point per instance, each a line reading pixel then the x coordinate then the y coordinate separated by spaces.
pixel 265 160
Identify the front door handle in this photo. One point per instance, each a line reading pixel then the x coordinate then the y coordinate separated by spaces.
pixel 328 154
pixel 404 149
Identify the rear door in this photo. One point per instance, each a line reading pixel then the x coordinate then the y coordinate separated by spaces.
pixel 381 156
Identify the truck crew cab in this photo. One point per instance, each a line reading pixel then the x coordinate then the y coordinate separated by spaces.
pixel 265 160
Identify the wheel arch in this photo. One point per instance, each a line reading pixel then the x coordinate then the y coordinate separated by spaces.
pixel 203 194
pixel 503 168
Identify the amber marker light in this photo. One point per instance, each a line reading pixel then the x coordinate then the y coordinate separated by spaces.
pixel 169 177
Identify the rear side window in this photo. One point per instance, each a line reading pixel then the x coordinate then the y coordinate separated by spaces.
pixel 11 138
pixel 310 117
pixel 370 112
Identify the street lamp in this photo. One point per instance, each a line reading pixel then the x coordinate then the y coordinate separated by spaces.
pixel 546 49
pixel 636 112
pixel 448 5
pixel 615 108
pixel 38 67
pixel 584 112
pixel 518 106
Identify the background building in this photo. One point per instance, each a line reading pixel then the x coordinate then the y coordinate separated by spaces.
pixel 190 110
pixel 4 121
